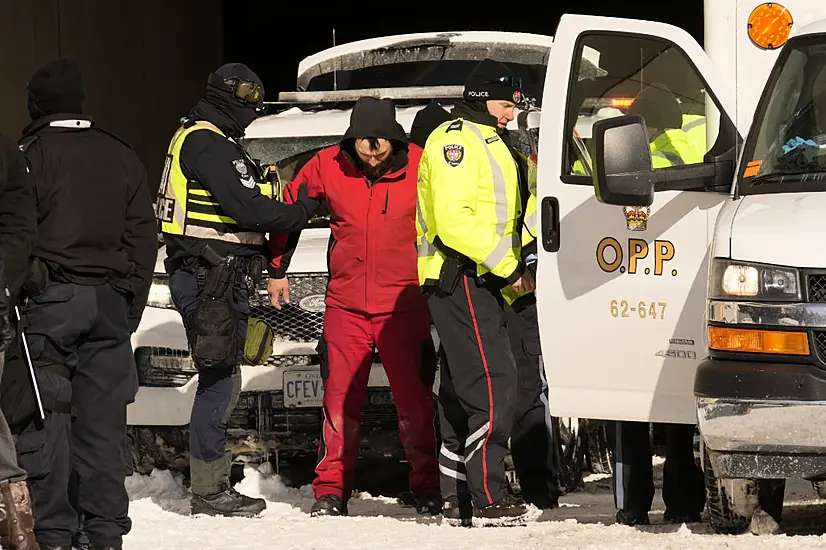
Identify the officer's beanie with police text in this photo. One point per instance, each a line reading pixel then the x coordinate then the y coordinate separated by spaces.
pixel 57 87
pixel 483 83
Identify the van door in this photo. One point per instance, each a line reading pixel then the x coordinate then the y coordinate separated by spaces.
pixel 621 291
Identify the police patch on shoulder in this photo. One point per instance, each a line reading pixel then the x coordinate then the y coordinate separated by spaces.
pixel 246 179
pixel 454 153
pixel 492 139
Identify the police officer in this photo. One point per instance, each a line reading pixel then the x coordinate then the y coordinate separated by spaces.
pixel 88 281
pixel 633 476
pixel 468 244
pixel 215 206
pixel 18 220
pixel 532 442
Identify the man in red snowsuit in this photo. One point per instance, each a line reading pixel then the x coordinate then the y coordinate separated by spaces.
pixel 368 183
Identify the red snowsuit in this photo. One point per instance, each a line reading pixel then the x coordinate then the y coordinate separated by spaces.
pixel 373 300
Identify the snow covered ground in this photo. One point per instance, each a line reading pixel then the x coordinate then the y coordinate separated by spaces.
pixel 160 514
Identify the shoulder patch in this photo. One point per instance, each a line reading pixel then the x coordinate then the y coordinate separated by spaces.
pixel 243 170
pixel 454 153
pixel 455 125
pixel 492 139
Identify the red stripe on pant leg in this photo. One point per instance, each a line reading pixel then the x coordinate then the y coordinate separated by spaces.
pixel 490 391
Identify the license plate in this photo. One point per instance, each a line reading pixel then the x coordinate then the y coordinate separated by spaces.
pixel 303 388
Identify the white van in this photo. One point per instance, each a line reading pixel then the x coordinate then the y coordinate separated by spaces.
pixel 695 291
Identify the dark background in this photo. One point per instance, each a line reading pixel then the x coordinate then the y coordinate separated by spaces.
pixel 146 62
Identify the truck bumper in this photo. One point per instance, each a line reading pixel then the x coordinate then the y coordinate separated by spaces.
pixel 762 420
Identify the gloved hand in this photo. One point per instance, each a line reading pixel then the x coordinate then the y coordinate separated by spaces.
pixel 309 205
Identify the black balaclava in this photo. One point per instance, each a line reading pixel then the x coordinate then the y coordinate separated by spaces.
pixel 56 87
pixel 233 114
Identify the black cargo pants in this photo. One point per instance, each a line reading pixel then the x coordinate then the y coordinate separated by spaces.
pixel 532 443
pixel 683 483
pixel 218 388
pixel 75 459
pixel 477 391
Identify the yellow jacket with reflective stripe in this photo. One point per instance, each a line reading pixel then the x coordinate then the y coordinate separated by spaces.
pixel 468 197
pixel 185 207
pixel 529 222
pixel 694 127
pixel 672 148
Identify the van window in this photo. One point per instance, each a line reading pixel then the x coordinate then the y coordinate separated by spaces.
pixel 616 74
pixel 788 143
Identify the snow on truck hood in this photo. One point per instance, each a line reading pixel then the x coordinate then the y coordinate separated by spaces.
pixel 781 229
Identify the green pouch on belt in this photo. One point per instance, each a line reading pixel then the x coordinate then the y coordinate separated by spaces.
pixel 258 347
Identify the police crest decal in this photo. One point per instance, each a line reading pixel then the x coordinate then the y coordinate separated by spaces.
pixel 241 167
pixel 454 153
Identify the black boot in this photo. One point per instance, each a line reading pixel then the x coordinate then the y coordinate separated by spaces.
pixel 669 517
pixel 632 518
pixel 429 504
pixel 328 505
pixel 457 513
pixel 507 511
pixel 227 502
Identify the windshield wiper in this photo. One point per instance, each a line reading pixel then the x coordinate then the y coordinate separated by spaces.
pixel 779 177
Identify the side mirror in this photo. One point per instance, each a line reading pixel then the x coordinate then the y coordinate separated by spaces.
pixel 623 174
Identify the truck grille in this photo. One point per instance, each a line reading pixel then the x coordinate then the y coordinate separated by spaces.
pixel 819 337
pixel 816 285
pixel 302 319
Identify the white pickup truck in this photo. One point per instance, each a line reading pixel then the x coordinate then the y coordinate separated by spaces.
pixel 278 416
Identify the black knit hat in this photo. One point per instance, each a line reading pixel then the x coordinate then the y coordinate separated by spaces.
pixel 375 118
pixel 492 80
pixel 57 87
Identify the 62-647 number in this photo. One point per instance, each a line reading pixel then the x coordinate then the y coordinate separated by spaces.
pixel 642 309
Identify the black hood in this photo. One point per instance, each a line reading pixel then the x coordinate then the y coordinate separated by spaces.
pixel 221 108
pixel 56 87
pixel 375 118
pixel 427 120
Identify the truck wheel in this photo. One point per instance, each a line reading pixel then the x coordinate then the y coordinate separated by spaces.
pixel 600 451
pixel 569 450
pixel 164 448
pixel 820 488
pixel 733 502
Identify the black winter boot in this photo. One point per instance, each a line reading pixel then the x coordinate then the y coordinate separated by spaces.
pixel 429 504
pixel 227 502
pixel 328 505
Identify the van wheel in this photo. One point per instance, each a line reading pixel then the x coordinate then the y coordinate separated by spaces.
pixel 600 451
pixel 820 488
pixel 733 502
pixel 569 451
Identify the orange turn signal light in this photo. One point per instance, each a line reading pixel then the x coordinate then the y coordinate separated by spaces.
pixel 758 341
pixel 770 25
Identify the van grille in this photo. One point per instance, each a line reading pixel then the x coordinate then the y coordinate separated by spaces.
pixel 816 285
pixel 301 320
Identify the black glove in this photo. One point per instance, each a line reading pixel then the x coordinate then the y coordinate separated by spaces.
pixel 309 205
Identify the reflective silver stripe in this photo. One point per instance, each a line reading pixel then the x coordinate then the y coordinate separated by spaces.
pixel 673 158
pixel 469 455
pixel 693 124
pixel 530 223
pixel 451 455
pixel 241 237
pixel 476 435
pixel 809 315
pixel 426 248
pixel 452 473
pixel 500 194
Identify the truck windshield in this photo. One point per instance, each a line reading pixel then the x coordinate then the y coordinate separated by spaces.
pixel 289 155
pixel 787 146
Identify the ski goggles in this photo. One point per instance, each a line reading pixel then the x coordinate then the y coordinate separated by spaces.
pixel 247 92
pixel 510 81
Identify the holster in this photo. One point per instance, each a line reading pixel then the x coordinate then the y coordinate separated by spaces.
pixel 449 276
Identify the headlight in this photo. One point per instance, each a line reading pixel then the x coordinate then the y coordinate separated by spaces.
pixel 159 295
pixel 731 279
